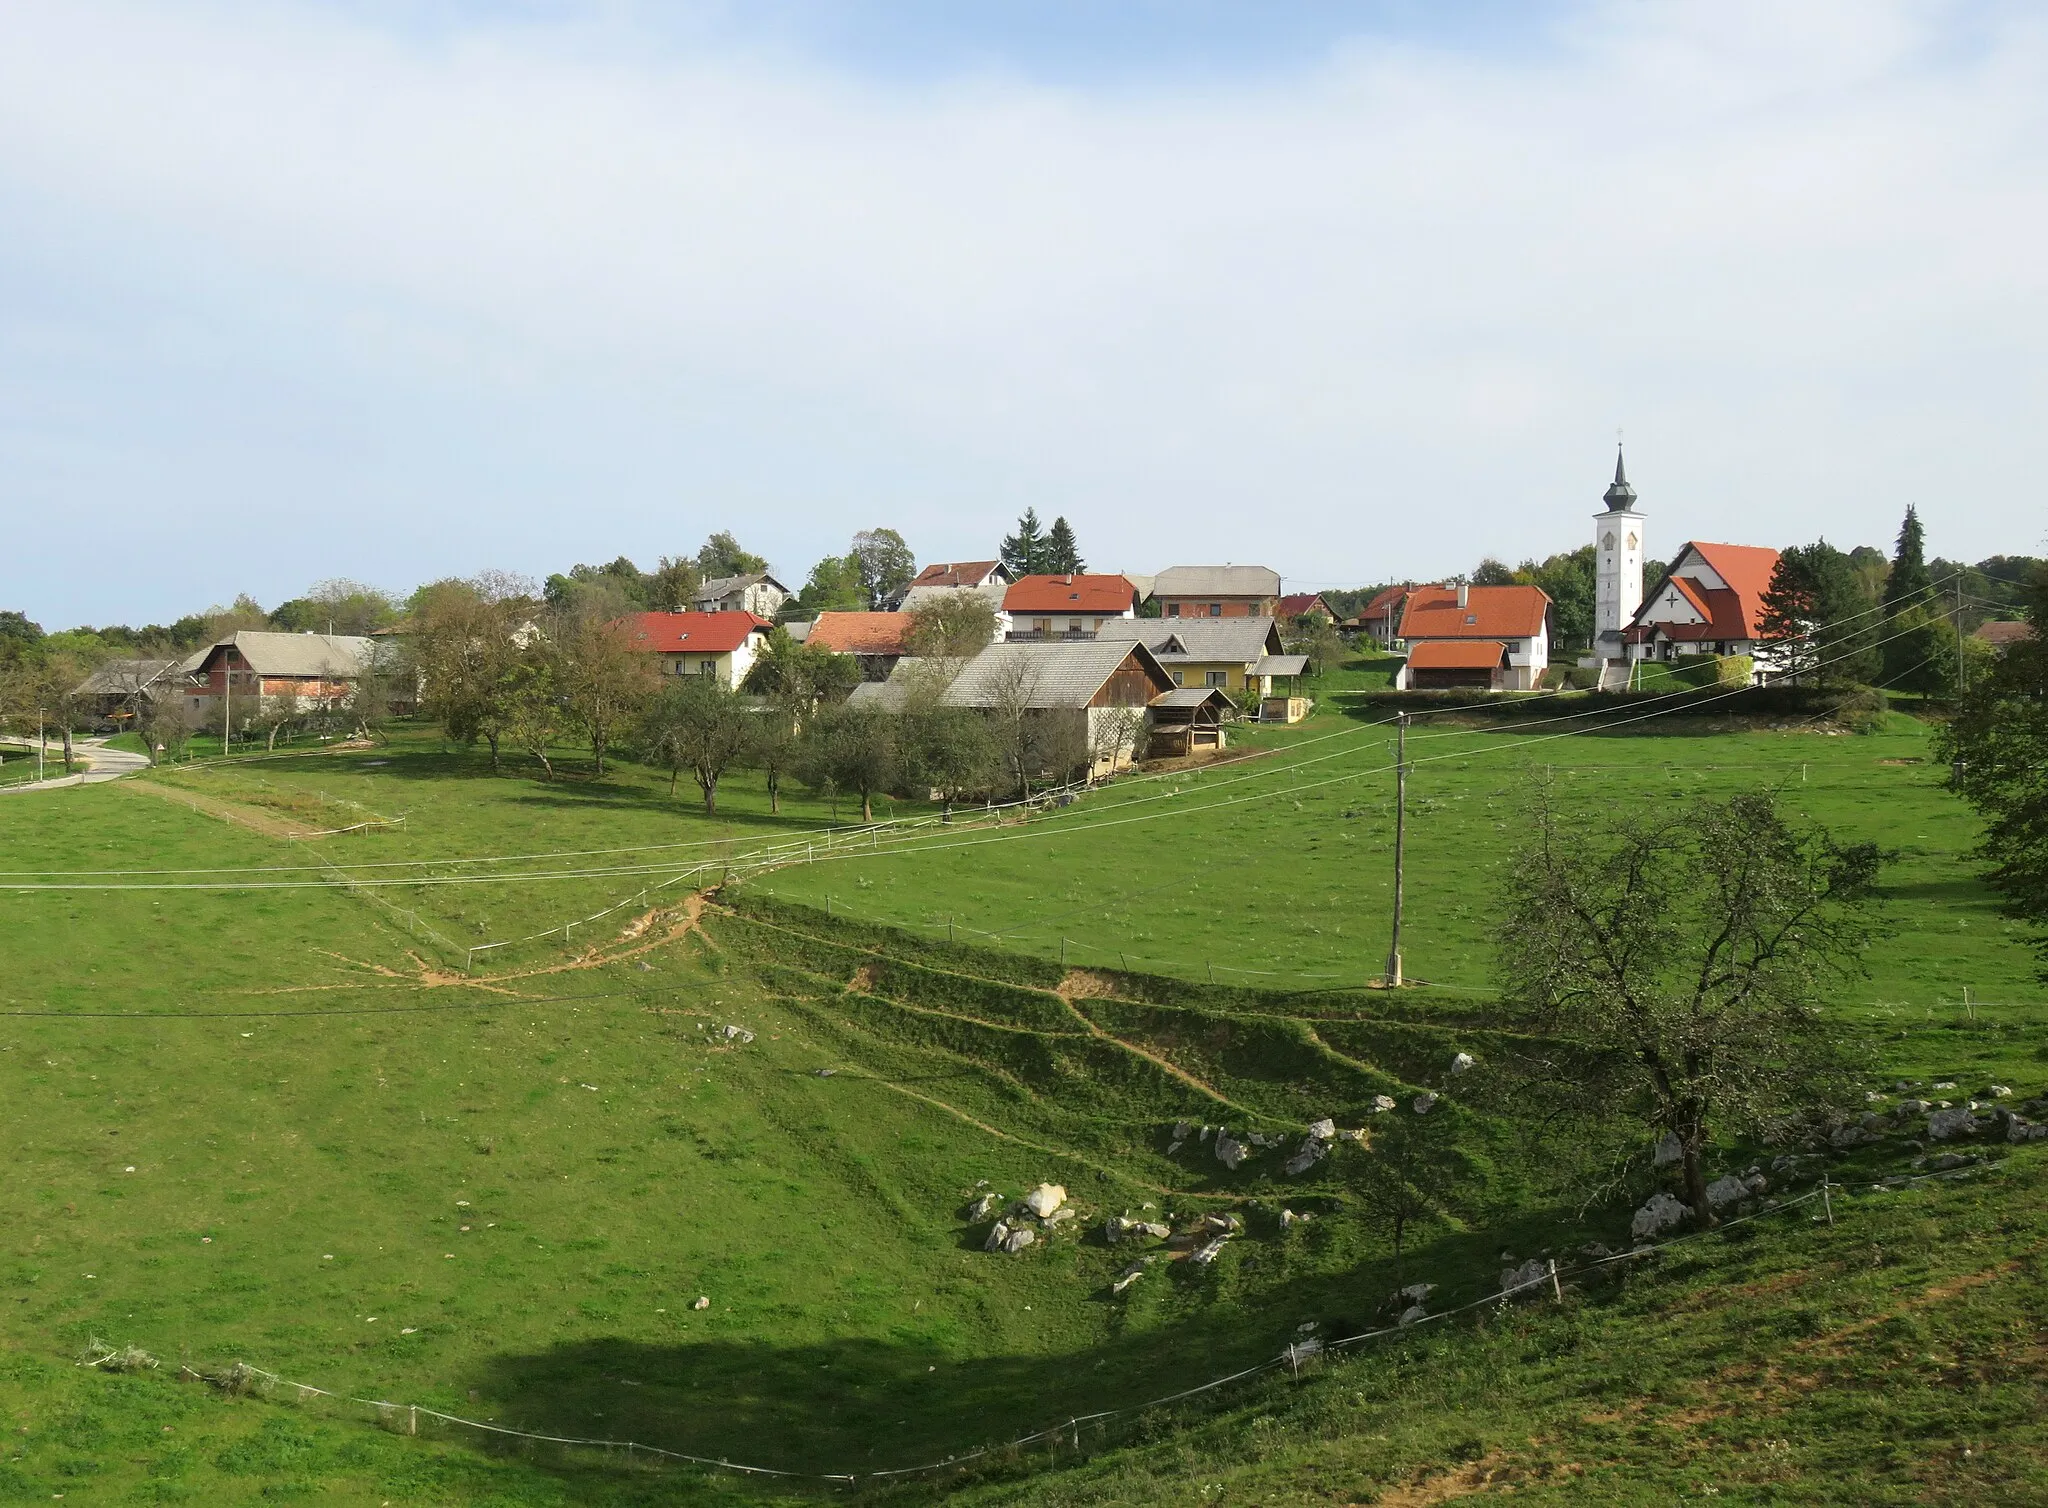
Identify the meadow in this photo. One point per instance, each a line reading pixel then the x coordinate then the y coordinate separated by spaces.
pixel 256 1113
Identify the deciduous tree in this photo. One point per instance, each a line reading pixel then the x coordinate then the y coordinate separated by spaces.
pixel 1674 963
pixel 852 748
pixel 952 625
pixel 885 563
pixel 700 724
pixel 722 555
pixel 602 677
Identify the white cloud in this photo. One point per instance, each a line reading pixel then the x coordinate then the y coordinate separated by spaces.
pixel 1375 316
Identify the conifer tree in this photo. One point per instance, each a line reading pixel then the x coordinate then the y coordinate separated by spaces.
pixel 1024 553
pixel 1908 584
pixel 1062 550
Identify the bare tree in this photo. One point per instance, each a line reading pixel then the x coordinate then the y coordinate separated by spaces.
pixel 1673 962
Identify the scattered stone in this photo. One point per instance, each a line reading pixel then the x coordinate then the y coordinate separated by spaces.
pixel 1415 1293
pixel 1323 1130
pixel 983 1207
pixel 1948 1160
pixel 1312 1152
pixel 1228 1225
pixel 1424 1100
pixel 1462 1062
pixel 1412 1313
pixel 1755 1182
pixel 1230 1151
pixel 1669 1150
pixel 1382 1103
pixel 1173 1148
pixel 2018 1129
pixel 1060 1216
pixel 1943 1124
pixel 1912 1107
pixel 1308 1346
pixel 1349 1135
pixel 1999 1092
pixel 1044 1199
pixel 644 966
pixel 1874 1122
pixel 1003 1236
pixel 1289 1219
pixel 1127 1277
pixel 1595 1251
pixel 1723 1193
pixel 1945 1084
pixel 1182 1130
pixel 1207 1131
pixel 826 1073
pixel 1871 1096
pixel 1659 1215
pixel 1208 1251
pixel 701 1302
pixel 738 1034
pixel 1514 1281
pixel 1848 1138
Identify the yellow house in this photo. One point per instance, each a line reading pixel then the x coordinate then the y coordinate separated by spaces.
pixel 1237 656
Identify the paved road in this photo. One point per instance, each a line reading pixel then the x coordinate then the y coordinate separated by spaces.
pixel 101 763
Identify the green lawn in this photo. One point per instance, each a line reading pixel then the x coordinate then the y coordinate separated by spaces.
pixel 314 1106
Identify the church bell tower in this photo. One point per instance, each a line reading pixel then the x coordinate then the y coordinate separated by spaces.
pixel 1617 565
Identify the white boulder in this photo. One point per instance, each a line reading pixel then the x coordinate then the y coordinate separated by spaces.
pixel 1382 1103
pixel 1659 1215
pixel 1424 1101
pixel 1230 1151
pixel 1044 1199
pixel 1723 1193
pixel 1462 1063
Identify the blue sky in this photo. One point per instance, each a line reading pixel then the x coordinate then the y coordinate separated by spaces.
pixel 1360 291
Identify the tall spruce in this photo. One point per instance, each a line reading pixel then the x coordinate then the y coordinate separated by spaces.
pixel 1024 553
pixel 1816 617
pixel 1062 550
pixel 1908 584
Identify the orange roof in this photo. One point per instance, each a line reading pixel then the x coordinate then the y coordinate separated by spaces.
pixel 1747 570
pixel 1300 604
pixel 1070 594
pixel 1460 654
pixel 955 573
pixel 1490 612
pixel 859 633
pixel 692 633
pixel 1384 603
pixel 1998 633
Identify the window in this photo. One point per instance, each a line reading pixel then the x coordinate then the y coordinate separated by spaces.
pixel 1041 625
pixel 707 667
pixel 1215 609
pixel 1215 677
pixel 1173 609
pixel 1471 618
pixel 1514 646
pixel 1180 678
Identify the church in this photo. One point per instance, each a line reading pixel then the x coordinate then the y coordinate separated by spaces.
pixel 1708 601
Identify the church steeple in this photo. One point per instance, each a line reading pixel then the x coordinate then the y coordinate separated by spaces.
pixel 1619 497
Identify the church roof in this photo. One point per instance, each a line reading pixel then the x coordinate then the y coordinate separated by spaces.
pixel 1619 497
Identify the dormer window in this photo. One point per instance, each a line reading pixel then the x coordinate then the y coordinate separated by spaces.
pixel 1471 619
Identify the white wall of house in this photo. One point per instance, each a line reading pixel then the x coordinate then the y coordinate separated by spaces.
pixel 728 666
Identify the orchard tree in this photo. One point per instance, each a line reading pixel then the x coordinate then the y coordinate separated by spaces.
pixel 855 749
pixel 602 676
pixel 1674 963
pixel 953 625
pixel 700 724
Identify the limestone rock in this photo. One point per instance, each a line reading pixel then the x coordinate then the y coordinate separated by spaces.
pixel 1060 1216
pixel 701 1303
pixel 1912 1107
pixel 1413 1313
pixel 738 1034
pixel 1312 1152
pixel 1044 1199
pixel 1323 1130
pixel 1669 1150
pixel 1230 1151
pixel 1518 1281
pixel 1382 1103
pixel 1288 1219
pixel 1956 1121
pixel 1424 1101
pixel 983 1207
pixel 1462 1063
pixel 1004 1236
pixel 1226 1225
pixel 1125 1278
pixel 1415 1293
pixel 1208 1251
pixel 1724 1193
pixel 2000 1092
pixel 1352 1135
pixel 1659 1215
pixel 1182 1130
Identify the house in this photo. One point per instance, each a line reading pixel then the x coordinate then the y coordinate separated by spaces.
pixel 1225 591
pixel 1067 607
pixel 1381 617
pixel 1301 604
pixel 1081 703
pixel 264 668
pixel 874 639
pixel 963 573
pixel 1237 655
pixel 1710 602
pixel 757 593
pixel 1189 720
pixel 117 691
pixel 2002 635
pixel 927 594
pixel 1490 638
pixel 722 644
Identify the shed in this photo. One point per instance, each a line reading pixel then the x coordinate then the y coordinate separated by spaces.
pixel 1189 720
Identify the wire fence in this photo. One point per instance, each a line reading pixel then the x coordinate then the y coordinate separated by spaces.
pixel 1296 1357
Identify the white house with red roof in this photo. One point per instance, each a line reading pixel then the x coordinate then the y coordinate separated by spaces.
pixel 1710 602
pixel 1487 638
pixel 714 644
pixel 1071 606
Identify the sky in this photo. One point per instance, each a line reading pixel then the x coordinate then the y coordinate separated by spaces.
pixel 1360 291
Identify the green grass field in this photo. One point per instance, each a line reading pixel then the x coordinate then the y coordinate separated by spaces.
pixel 499 1194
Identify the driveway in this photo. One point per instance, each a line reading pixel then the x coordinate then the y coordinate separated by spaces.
pixel 101 763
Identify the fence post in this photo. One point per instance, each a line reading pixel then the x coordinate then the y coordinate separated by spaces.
pixel 1063 952
pixel 412 1423
pixel 1212 971
pixel 1825 1202
pixel 1556 1288
pixel 469 963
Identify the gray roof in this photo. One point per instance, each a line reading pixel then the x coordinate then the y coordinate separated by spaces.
pixel 1216 581
pixel 1282 665
pixel 122 677
pixel 1193 696
pixel 333 657
pixel 1039 674
pixel 723 586
pixel 1196 641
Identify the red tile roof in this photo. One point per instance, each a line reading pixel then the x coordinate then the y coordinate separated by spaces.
pixel 1070 594
pixel 955 573
pixel 1490 612
pixel 1385 602
pixel 859 633
pixel 692 633
pixel 1747 570
pixel 1463 654
pixel 1300 604
pixel 1998 634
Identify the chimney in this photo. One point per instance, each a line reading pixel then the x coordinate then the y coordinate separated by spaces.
pixel 1464 594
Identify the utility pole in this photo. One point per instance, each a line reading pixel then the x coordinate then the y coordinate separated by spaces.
pixel 1400 841
pixel 227 715
pixel 1959 636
